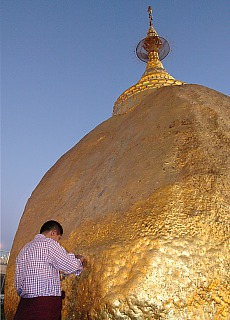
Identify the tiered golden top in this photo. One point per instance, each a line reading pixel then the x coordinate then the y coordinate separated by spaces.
pixel 155 75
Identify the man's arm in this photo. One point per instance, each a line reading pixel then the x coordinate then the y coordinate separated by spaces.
pixel 64 261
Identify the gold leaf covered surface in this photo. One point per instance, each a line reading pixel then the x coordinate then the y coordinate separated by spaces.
pixel 146 197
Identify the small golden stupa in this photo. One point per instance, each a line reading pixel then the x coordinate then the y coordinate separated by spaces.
pixel 152 49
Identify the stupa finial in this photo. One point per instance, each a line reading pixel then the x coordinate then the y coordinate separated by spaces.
pixel 150 11
pixel 151 50
pixel 152 43
pixel 151 32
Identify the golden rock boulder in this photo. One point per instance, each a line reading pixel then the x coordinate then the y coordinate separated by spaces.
pixel 146 196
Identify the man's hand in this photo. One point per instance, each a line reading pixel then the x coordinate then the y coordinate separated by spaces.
pixel 78 256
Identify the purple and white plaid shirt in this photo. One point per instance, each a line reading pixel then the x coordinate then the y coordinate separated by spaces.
pixel 38 265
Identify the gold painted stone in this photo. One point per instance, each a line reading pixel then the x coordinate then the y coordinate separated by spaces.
pixel 146 196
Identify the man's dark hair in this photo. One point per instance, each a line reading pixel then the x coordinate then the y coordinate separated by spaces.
pixel 52 225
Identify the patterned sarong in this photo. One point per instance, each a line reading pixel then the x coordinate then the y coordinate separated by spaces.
pixel 40 308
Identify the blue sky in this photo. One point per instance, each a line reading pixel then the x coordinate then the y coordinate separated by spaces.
pixel 65 62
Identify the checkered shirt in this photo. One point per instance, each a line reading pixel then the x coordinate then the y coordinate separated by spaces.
pixel 38 265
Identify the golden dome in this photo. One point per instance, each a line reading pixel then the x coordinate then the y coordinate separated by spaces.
pixel 155 76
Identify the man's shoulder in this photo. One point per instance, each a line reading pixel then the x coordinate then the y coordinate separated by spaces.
pixel 43 240
pixel 30 246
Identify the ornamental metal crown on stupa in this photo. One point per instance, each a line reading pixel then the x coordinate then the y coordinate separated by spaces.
pixel 152 49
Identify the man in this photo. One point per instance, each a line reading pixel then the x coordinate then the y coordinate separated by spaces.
pixel 37 276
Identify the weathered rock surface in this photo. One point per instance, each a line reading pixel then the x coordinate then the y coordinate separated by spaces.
pixel 146 196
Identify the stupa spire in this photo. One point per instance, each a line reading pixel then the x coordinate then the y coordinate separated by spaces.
pixel 151 31
pixel 151 50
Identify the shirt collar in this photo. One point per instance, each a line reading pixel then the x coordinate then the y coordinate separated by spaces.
pixel 39 236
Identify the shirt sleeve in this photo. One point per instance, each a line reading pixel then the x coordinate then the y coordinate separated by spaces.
pixel 17 281
pixel 60 259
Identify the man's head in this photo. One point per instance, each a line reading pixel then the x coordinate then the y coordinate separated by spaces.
pixel 52 229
